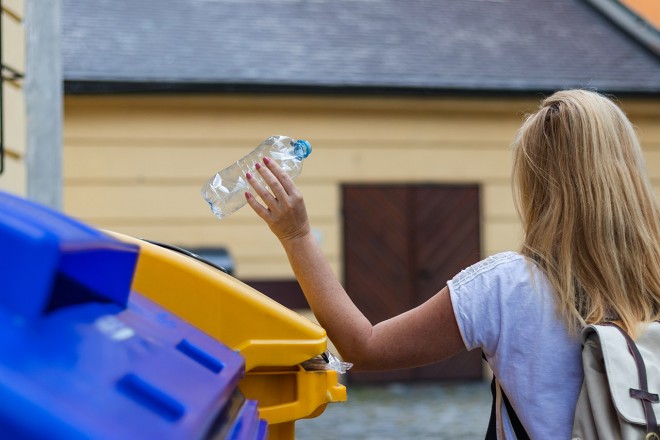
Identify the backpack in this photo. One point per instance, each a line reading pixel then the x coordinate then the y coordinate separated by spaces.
pixel 619 395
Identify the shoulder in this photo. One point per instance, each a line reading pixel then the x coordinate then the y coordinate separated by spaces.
pixel 502 265
pixel 493 294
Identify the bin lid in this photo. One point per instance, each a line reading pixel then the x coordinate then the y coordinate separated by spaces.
pixel 50 260
pixel 99 371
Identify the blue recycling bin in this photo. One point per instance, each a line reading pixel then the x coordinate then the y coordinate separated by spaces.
pixel 81 357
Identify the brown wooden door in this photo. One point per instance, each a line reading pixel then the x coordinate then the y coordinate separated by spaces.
pixel 401 245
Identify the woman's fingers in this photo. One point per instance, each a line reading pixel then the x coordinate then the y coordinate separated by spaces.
pixel 282 177
pixel 272 175
pixel 284 213
pixel 261 190
pixel 258 207
pixel 269 189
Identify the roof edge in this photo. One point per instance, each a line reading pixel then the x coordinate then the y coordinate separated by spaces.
pixel 107 87
pixel 633 24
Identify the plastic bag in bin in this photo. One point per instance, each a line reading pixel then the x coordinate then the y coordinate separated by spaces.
pixel 326 361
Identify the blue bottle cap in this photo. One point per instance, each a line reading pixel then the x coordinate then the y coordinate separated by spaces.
pixel 302 149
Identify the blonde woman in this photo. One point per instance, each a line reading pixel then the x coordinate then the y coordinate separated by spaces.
pixel 591 253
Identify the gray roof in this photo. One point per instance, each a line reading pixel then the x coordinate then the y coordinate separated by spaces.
pixel 466 45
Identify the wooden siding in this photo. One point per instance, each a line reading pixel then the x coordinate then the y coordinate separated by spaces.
pixel 13 178
pixel 134 164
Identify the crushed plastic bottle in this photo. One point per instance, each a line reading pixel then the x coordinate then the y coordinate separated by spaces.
pixel 225 191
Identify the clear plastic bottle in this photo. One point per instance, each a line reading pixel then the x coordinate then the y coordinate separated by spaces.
pixel 225 191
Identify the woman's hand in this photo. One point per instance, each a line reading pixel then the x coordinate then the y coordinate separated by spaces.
pixel 285 211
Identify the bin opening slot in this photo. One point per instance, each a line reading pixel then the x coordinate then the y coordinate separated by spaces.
pixel 67 292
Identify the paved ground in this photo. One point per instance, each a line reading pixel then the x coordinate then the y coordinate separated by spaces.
pixel 398 411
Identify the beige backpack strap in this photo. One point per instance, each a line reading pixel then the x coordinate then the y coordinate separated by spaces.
pixel 642 393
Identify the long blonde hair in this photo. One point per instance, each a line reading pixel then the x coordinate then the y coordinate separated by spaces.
pixel 590 217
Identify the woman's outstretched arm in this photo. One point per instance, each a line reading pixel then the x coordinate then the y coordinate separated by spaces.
pixel 423 335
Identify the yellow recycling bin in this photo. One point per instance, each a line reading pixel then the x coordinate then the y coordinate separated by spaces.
pixel 273 339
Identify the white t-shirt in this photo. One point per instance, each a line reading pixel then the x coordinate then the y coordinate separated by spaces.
pixel 505 305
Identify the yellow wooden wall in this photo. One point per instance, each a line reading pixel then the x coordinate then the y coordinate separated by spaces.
pixel 135 164
pixel 13 179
